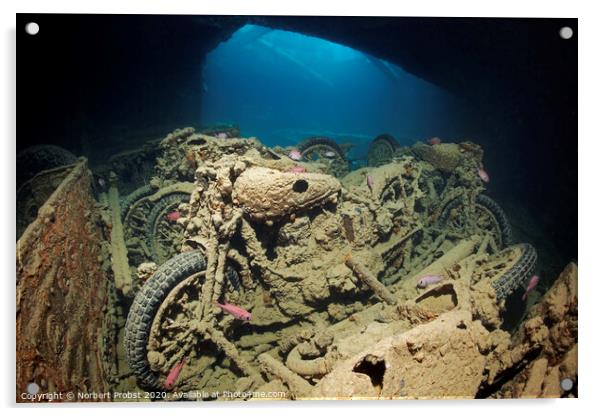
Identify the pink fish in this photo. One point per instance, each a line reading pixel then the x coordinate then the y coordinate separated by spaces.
pixel 173 375
pixel 532 283
pixel 173 216
pixel 236 311
pixel 221 135
pixel 483 175
pixel 295 154
pixel 297 169
pixel 433 141
pixel 424 281
pixel 370 182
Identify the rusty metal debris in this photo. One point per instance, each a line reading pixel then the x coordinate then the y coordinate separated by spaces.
pixel 328 267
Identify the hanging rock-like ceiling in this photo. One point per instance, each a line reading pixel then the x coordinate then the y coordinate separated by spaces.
pixel 471 57
pixel 132 73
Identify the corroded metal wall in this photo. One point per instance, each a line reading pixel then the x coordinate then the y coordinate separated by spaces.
pixel 61 293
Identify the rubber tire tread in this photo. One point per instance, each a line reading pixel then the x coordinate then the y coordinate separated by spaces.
pixel 325 141
pixel 493 207
pixel 518 274
pixel 129 200
pixel 145 306
pixel 390 140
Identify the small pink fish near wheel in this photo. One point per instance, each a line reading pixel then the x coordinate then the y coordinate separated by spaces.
pixel 425 281
pixel 295 154
pixel 235 311
pixel 297 169
pixel 173 216
pixel 483 175
pixel 173 375
pixel 370 182
pixel 433 141
pixel 221 135
pixel 532 283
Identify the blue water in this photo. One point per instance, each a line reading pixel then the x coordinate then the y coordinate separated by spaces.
pixel 282 87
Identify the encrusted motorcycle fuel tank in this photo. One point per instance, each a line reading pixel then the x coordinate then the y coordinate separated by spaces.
pixel 268 194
